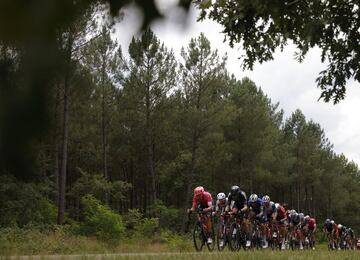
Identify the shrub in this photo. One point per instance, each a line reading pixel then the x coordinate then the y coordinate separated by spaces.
pixel 100 221
pixel 23 203
pixel 139 226
pixel 169 217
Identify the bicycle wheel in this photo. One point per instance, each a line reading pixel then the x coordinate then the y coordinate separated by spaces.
pixel 198 236
pixel 221 237
pixel 234 237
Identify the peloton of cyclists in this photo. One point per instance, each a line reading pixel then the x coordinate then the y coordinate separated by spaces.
pixel 262 212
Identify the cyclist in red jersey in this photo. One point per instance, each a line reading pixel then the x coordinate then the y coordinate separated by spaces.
pixel 203 199
pixel 310 224
pixel 281 218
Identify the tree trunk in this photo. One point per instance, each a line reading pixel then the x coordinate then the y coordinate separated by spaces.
pixel 150 147
pixel 55 153
pixel 306 208
pixel 291 196
pixel 103 133
pixel 298 196
pixel 62 177
pixel 313 201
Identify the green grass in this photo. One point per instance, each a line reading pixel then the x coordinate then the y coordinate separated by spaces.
pixel 253 255
pixel 18 241
pixel 60 244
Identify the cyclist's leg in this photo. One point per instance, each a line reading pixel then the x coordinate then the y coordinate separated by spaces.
pixel 208 230
pixel 282 234
pixel 264 231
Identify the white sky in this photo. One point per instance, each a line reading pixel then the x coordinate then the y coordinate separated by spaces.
pixel 283 80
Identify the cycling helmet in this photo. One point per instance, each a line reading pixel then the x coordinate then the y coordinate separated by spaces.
pixel 253 197
pixel 340 226
pixel 266 198
pixel 277 205
pixel 307 217
pixel 332 222
pixel 221 196
pixel 234 190
pixel 327 221
pixel 292 213
pixel 198 190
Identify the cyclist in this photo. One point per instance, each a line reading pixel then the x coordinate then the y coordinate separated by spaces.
pixel 256 208
pixel 294 221
pixel 310 225
pixel 350 236
pixel 301 229
pixel 269 215
pixel 342 236
pixel 220 206
pixel 281 218
pixel 221 203
pixel 203 199
pixel 237 203
pixel 332 231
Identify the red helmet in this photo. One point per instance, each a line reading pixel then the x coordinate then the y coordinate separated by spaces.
pixel 198 190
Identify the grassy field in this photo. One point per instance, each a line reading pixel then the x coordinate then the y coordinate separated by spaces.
pixel 33 244
pixel 263 254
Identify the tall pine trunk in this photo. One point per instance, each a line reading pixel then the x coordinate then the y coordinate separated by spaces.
pixel 150 147
pixel 56 145
pixel 62 177
pixel 103 130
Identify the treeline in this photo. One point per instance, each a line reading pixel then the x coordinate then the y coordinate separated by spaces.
pixel 142 130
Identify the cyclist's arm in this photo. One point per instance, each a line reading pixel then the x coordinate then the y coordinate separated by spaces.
pixel 261 213
pixel 193 204
pixel 244 208
pixel 274 214
pixel 209 208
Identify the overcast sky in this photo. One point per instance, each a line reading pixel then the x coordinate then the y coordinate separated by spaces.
pixel 284 80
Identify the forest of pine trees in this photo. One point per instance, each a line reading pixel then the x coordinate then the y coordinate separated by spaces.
pixel 138 128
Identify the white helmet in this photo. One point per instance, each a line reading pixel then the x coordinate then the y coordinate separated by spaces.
pixel 332 222
pixel 307 217
pixel 277 205
pixel 221 196
pixel 253 197
pixel 266 198
pixel 340 226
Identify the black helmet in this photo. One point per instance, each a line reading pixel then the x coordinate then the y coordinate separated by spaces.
pixel 234 190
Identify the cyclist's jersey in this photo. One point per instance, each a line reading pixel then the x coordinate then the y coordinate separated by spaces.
pixel 268 211
pixel 342 231
pixel 238 201
pixel 281 213
pixel 221 207
pixel 350 233
pixel 204 202
pixel 311 223
pixel 256 206
pixel 294 219
pixel 328 227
